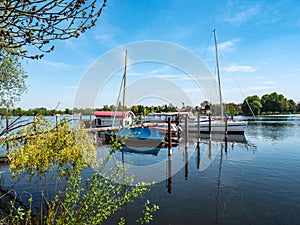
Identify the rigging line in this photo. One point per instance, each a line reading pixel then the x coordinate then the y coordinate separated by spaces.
pixel 237 83
pixel 118 100
pixel 207 46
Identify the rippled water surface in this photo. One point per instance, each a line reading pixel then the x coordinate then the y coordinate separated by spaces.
pixel 252 181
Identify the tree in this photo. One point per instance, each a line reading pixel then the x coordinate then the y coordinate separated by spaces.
pixel 37 23
pixel 63 151
pixel 12 79
pixel 252 103
pixel 292 107
pixel 231 108
pixel 274 103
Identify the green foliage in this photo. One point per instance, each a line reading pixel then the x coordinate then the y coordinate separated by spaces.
pixel 40 147
pixel 268 103
pixel 148 211
pixel 12 80
pixel 45 146
pixel 252 103
pixel 94 202
pixel 276 103
pixel 231 109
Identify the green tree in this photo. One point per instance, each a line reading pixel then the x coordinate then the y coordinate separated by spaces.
pixel 12 79
pixel 67 150
pixel 38 23
pixel 134 109
pixel 272 103
pixel 231 109
pixel 292 106
pixel 252 104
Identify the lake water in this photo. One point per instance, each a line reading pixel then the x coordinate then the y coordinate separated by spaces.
pixel 251 180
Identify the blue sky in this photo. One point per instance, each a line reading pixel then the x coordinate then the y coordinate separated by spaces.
pixel 258 41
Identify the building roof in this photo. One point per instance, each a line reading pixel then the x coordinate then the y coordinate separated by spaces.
pixel 109 113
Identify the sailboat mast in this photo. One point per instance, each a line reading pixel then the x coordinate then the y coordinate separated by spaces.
pixel 124 87
pixel 218 73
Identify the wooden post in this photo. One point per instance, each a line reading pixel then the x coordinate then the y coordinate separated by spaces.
pixel 186 128
pixel 209 121
pixel 169 136
pixel 7 132
pixel 91 125
pixel 198 129
pixel 226 127
pixel 7 125
pixel 34 125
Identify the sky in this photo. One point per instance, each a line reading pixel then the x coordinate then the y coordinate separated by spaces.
pixel 258 43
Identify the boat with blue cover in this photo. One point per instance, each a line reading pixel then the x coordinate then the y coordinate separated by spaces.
pixel 136 138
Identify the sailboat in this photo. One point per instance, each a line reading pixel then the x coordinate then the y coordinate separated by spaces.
pixel 218 126
pixel 138 139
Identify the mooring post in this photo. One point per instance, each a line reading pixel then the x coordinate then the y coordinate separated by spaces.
pixel 34 124
pixel 226 127
pixel 186 128
pixel 209 124
pixel 7 131
pixel 91 125
pixel 80 118
pixel 226 132
pixel 7 125
pixel 169 136
pixel 198 129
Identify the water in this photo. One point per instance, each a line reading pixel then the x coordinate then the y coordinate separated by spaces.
pixel 255 180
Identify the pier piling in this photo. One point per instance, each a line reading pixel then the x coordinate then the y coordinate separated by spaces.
pixel 209 120
pixel 169 136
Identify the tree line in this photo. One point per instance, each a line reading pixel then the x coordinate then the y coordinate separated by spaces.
pixel 268 104
pixel 273 103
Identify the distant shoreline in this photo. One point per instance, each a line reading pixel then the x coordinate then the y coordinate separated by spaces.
pixel 281 115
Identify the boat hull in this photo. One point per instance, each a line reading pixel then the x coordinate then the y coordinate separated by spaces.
pixel 139 139
pixel 233 127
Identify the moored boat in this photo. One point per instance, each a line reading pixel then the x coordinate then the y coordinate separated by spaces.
pixel 136 138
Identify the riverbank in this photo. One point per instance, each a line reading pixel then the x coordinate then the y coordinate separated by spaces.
pixel 281 115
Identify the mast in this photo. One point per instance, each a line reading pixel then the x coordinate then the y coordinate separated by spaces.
pixel 124 88
pixel 218 73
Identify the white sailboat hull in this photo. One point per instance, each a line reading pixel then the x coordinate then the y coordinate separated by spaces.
pixel 233 127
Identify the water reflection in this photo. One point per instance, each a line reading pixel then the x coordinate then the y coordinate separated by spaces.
pixel 219 186
pixel 274 128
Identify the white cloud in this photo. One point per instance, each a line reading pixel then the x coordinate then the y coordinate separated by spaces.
pixel 227 45
pixel 56 65
pixel 236 68
pixel 269 82
pixel 242 14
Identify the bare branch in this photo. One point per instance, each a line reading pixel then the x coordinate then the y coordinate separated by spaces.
pixel 37 23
